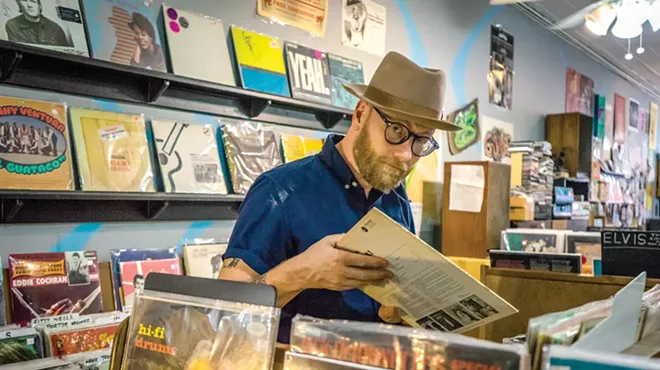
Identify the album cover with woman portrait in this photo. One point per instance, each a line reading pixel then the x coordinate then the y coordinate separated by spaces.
pixel 124 32
pixel 60 22
pixel 34 146
pixel 112 151
pixel 53 284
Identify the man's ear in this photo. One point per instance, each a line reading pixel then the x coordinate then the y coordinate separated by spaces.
pixel 360 114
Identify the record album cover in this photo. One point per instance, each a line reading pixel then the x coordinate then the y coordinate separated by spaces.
pixel 112 151
pixel 124 32
pixel 188 157
pixel 344 71
pixel 134 273
pixel 20 348
pixel 34 145
pixel 295 147
pixel 203 260
pixel 174 332
pixel 60 22
pixel 251 150
pixel 126 255
pixel 260 62
pixel 3 319
pixel 51 284
pixel 309 74
pixel 80 340
pixel 197 46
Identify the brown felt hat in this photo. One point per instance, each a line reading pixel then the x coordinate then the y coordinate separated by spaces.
pixel 403 89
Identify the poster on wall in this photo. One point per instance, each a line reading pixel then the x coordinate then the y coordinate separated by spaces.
pixel 653 125
pixel 599 116
pixel 633 114
pixel 500 74
pixel 579 93
pixel 364 26
pixel 643 120
pixel 608 138
pixel 619 119
pixel 308 15
pixel 496 136
pixel 468 119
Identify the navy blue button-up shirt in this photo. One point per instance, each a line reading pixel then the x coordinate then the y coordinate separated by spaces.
pixel 290 208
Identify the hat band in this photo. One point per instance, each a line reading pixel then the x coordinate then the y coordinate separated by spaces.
pixel 390 101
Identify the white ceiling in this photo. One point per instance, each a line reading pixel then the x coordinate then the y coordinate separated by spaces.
pixel 644 68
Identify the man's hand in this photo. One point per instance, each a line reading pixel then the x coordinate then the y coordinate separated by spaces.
pixel 391 315
pixel 325 267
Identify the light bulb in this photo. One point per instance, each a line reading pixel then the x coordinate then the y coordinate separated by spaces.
pixel 626 30
pixel 601 19
pixel 629 56
pixel 640 50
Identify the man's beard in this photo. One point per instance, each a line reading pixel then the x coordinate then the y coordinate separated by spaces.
pixel 382 172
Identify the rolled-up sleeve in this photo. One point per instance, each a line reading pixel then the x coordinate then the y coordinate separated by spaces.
pixel 261 234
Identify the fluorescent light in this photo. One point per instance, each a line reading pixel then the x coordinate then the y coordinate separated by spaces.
pixel 601 19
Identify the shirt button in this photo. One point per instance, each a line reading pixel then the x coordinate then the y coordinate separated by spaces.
pixel 347 187
pixel 354 184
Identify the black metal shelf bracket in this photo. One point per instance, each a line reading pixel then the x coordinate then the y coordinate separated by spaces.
pixel 252 106
pixel 9 217
pixel 155 88
pixel 329 119
pixel 153 212
pixel 9 61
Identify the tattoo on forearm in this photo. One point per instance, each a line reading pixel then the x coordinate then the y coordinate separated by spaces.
pixel 231 262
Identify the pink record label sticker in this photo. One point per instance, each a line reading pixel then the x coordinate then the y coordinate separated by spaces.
pixel 318 54
pixel 172 13
pixel 175 27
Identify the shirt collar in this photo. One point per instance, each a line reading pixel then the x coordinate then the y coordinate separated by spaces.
pixel 332 158
pixel 24 23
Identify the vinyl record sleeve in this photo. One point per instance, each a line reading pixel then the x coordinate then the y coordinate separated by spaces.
pixel 204 260
pixel 20 349
pixel 112 27
pixel 174 332
pixel 126 255
pixel 131 285
pixel 344 71
pixel 309 74
pixel 197 45
pixel 295 147
pixel 260 62
pixel 188 157
pixel 533 240
pixel 60 20
pixel 80 340
pixel 51 284
pixel 96 360
pixel 251 150
pixel 112 151
pixel 35 152
pixel 398 348
pixel 299 361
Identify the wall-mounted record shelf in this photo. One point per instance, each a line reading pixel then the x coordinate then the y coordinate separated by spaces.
pixel 29 207
pixel 26 66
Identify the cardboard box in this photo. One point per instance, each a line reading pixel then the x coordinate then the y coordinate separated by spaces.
pixel 521 214
pixel 518 202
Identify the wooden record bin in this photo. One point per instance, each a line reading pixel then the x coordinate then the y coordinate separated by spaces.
pixel 571 133
pixel 467 234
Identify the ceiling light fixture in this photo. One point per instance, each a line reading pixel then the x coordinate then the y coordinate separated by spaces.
pixel 640 49
pixel 632 14
pixel 601 19
pixel 654 16
pixel 628 55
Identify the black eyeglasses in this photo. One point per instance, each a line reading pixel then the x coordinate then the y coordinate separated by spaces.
pixel 397 133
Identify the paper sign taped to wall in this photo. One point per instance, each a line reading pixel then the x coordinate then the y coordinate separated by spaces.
pixel 466 190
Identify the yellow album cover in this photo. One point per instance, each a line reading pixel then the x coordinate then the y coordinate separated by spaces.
pixel 295 147
pixel 35 152
pixel 112 151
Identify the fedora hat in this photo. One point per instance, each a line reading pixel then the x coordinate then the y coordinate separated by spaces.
pixel 403 89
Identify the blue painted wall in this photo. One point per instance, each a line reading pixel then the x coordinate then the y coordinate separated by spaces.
pixel 451 35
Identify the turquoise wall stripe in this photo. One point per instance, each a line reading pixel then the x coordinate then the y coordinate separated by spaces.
pixel 77 239
pixel 459 65
pixel 108 105
pixel 417 51
pixel 196 230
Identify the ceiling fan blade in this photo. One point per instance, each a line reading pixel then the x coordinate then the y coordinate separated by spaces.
pixel 507 2
pixel 577 18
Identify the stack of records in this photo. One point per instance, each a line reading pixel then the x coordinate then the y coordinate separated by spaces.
pixel 543 150
pixel 533 240
pixel 388 347
pixel 564 358
pixel 251 150
pixel 96 360
pixel 537 169
pixel 175 332
pixel 118 256
pixel 526 147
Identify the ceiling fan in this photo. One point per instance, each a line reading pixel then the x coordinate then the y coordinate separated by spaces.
pixel 630 15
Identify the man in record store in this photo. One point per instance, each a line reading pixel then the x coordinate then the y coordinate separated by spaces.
pixel 293 217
